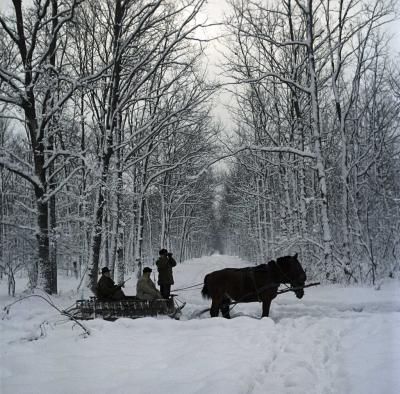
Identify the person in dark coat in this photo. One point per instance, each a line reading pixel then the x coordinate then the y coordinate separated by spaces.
pixel 165 278
pixel 145 287
pixel 106 289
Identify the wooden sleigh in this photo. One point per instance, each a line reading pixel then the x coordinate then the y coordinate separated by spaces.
pixel 131 308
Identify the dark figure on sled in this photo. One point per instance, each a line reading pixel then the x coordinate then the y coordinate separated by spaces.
pixel 146 290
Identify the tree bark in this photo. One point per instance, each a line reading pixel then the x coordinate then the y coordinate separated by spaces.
pixel 316 133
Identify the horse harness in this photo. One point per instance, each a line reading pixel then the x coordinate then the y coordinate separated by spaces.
pixel 259 290
pixel 283 273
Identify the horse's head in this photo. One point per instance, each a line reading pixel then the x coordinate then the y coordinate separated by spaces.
pixel 293 273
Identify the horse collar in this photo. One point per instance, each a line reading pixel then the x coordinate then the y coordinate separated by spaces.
pixel 285 276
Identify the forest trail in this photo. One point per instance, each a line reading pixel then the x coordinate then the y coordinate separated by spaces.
pixel 335 340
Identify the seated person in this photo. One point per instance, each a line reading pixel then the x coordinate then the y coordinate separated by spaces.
pixel 145 287
pixel 106 289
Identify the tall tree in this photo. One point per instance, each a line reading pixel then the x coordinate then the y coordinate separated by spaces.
pixel 28 89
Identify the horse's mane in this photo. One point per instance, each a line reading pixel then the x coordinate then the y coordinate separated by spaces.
pixel 262 267
pixel 283 259
pixel 271 265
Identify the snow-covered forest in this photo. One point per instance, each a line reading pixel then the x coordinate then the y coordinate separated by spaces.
pixel 228 132
pixel 110 147
pixel 318 104
pixel 108 138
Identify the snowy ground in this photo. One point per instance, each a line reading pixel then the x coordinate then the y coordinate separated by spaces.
pixel 335 340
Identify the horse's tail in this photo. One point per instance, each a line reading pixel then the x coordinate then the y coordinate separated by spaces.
pixel 204 291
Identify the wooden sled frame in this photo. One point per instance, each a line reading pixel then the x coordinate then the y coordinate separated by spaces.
pixel 132 308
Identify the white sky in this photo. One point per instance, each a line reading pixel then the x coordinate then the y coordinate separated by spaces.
pixel 214 11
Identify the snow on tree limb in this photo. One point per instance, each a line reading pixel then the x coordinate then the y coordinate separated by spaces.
pixel 15 168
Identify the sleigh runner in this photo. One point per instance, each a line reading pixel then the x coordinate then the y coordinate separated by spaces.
pixel 131 308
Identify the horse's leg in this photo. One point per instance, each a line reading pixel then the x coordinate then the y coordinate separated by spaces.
pixel 225 308
pixel 214 311
pixel 265 307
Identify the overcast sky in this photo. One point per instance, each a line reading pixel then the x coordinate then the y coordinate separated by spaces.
pixel 215 11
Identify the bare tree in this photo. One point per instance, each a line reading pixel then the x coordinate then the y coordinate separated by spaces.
pixel 28 90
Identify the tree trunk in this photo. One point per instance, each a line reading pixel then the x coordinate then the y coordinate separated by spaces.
pixel 95 248
pixel 52 223
pixel 139 234
pixel 111 123
pixel 259 220
pixel 45 271
pixel 316 133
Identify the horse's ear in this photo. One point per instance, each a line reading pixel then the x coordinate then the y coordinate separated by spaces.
pixel 295 256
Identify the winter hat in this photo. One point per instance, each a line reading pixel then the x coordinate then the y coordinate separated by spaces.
pixel 147 269
pixel 104 270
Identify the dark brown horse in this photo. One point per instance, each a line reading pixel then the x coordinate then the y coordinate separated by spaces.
pixel 252 284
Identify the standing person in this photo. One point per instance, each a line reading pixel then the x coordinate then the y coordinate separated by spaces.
pixel 107 289
pixel 165 278
pixel 145 287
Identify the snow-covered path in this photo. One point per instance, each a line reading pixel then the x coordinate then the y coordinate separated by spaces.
pixel 334 340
